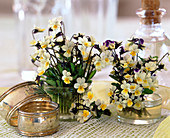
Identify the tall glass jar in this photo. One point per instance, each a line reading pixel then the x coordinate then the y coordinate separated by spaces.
pixel 156 41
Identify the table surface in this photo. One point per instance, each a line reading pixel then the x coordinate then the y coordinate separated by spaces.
pixel 103 127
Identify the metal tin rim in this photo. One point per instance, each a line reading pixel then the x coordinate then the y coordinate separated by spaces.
pixel 56 108
pixel 14 88
pixel 21 103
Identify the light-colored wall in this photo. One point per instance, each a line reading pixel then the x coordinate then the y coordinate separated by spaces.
pixel 6 6
pixel 126 7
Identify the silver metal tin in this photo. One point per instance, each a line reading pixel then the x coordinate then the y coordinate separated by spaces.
pixel 38 118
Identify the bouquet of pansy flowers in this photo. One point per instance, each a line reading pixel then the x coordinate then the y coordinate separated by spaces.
pixel 64 62
pixel 135 77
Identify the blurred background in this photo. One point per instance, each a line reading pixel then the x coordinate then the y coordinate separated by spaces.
pixel 126 8
pixel 104 19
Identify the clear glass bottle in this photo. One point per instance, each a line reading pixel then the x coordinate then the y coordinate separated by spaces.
pixel 156 41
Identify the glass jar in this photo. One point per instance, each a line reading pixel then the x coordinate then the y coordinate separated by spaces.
pixel 155 39
pixel 150 113
pixel 64 96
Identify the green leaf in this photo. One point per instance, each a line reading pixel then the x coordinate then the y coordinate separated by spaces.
pixel 107 112
pixel 93 103
pixel 92 74
pixel 116 84
pixel 51 82
pixel 80 72
pixel 74 77
pixel 156 57
pixel 89 81
pixel 39 90
pixel 60 68
pixel 142 59
pixel 58 83
pixel 50 91
pixel 72 67
pixel 51 73
pixel 99 113
pixel 147 91
pixel 114 77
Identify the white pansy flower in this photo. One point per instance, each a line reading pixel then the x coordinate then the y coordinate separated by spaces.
pixel 98 63
pixel 110 93
pixel 48 38
pixel 128 77
pixel 120 106
pixel 68 48
pixel 127 45
pixel 44 44
pixel 148 79
pixel 55 23
pixel 132 87
pixel 41 70
pixel 98 102
pixel 83 52
pixel 80 85
pixel 84 41
pixel 137 105
pixel 57 48
pixel 102 106
pixel 44 56
pixel 140 76
pixel 138 91
pixel 125 86
pixel 93 40
pixel 88 98
pixel 133 50
pixel 85 56
pixel 60 39
pixel 154 85
pixel 45 60
pixel 38 29
pixel 66 77
pixel 129 103
pixel 33 42
pixel 151 66
pixel 145 85
pixel 83 116
pixel 127 58
pixel 107 58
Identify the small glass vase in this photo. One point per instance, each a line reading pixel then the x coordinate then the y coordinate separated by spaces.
pixel 64 96
pixel 151 113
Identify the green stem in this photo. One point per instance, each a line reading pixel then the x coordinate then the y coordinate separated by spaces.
pixel 33 35
pixel 167 54
pixel 88 61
